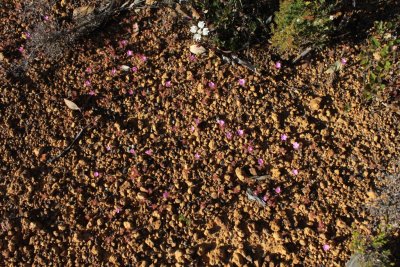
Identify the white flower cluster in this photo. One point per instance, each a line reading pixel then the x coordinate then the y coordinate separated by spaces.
pixel 199 30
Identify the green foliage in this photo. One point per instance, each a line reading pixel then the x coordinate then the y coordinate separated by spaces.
pixel 380 58
pixel 299 24
pixel 182 218
pixel 371 250
pixel 236 23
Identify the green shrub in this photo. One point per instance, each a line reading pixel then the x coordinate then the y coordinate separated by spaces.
pixel 380 58
pixel 300 24
pixel 371 250
pixel 236 23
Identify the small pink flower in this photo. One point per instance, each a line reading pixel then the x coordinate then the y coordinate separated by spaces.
pixel 88 83
pixel 113 71
pixel 168 84
pixel 265 198
pixel 96 174
pixel 92 93
pixel 149 152
pixel 240 132
pixel 278 190
pixel 108 148
pixel 143 58
pixel 242 82
pixel 228 135
pixel 134 69
pixel 296 145
pixel 117 210
pixel 197 121
pixel 21 49
pixel 46 18
pixel 192 128
pixel 295 172
pixel 250 149
pixel 260 162
pixel 123 43
pixel 129 53
pixel 197 156
pixel 283 137
pixel 211 85
pixel 130 92
pixel 132 151
pixel 326 247
pixel 192 57
pixel 343 61
pixel 88 70
pixel 165 194
pixel 278 65
pixel 27 35
pixel 221 123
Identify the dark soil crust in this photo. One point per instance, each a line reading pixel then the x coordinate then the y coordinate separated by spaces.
pixel 158 204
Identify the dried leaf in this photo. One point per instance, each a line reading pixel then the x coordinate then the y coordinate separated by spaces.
pixel 1 57
pixel 125 68
pixel 81 12
pixel 260 178
pixel 195 14
pixel 244 63
pixel 180 11
pixel 302 54
pixel 197 49
pixel 252 197
pixel 71 104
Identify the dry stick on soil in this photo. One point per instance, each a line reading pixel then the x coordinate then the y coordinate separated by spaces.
pixel 260 178
pixel 69 147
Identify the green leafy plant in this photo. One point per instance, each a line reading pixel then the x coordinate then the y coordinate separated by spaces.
pixel 370 250
pixel 300 24
pixel 236 23
pixel 380 58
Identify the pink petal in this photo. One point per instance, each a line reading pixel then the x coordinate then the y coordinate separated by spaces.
pixel 165 195
pixel 296 145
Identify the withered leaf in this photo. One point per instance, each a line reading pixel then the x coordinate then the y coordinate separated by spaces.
pixel 81 12
pixel 125 68
pixel 71 104
pixel 252 197
pixel 195 14
pixel 197 49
